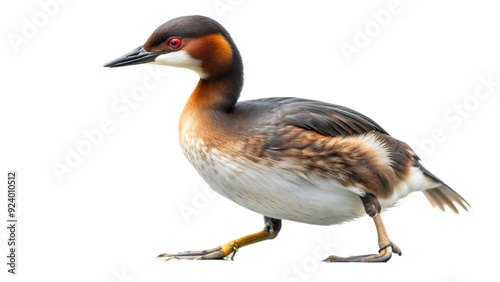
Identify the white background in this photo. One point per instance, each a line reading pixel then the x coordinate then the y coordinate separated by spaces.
pixel 121 206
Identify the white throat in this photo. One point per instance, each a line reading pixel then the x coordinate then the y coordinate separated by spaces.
pixel 181 59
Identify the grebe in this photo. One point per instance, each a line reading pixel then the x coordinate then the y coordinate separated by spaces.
pixel 285 158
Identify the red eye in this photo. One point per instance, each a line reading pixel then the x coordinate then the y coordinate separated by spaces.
pixel 175 43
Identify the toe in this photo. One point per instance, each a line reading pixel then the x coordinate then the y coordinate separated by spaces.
pixel 215 253
pixel 334 258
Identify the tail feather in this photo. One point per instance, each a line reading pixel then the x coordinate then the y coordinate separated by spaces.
pixel 443 195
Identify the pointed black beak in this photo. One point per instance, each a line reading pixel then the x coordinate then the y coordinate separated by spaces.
pixel 135 57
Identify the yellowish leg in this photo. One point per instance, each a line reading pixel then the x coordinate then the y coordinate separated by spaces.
pixel 271 230
pixel 383 238
pixel 234 246
pixel 372 208
pixel 385 245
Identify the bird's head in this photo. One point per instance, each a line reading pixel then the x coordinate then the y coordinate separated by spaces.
pixel 193 42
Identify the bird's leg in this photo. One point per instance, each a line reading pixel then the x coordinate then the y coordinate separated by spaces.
pixel 271 230
pixel 386 247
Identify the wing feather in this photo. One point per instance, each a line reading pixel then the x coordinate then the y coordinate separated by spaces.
pixel 327 119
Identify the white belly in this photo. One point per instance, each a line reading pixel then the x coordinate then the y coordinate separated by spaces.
pixel 273 191
pixel 284 195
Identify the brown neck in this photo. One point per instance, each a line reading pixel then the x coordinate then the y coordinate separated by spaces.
pixel 215 96
pixel 209 103
pixel 220 90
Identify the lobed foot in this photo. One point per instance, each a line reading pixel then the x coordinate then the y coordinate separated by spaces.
pixel 222 252
pixel 384 255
